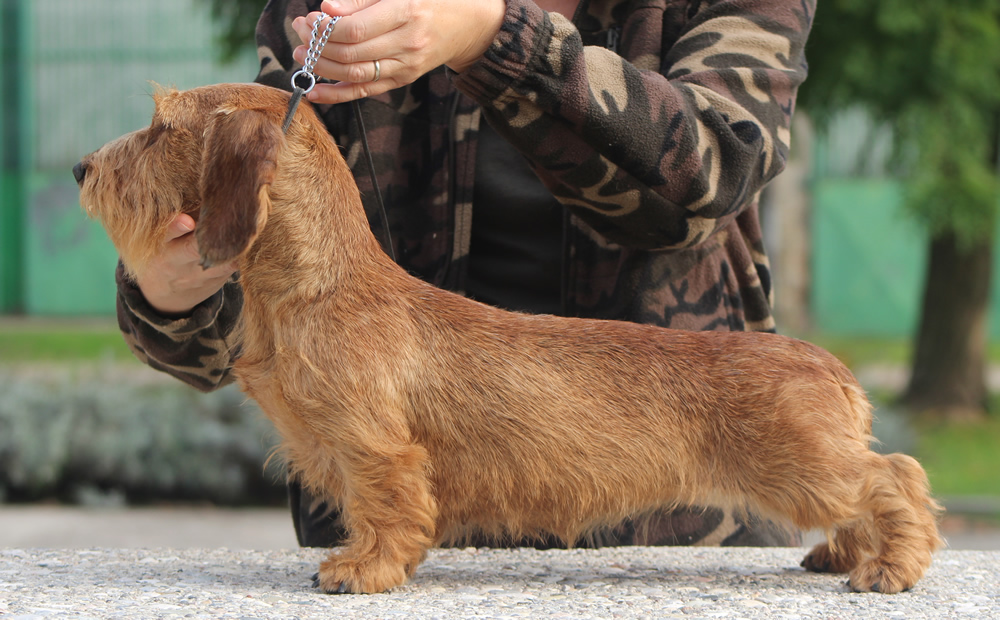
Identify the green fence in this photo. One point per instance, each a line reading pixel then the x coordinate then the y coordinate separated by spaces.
pixel 11 97
pixel 75 75
pixel 867 258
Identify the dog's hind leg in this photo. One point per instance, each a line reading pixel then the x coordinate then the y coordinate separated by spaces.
pixel 886 545
pixel 878 507
pixel 903 525
pixel 389 513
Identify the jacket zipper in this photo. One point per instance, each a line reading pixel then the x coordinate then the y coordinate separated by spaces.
pixel 449 276
pixel 612 38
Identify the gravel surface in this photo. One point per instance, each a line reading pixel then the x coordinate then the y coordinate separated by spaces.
pixel 632 582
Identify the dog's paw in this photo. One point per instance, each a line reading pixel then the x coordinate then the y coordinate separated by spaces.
pixel 340 590
pixel 333 581
pixel 340 576
pixel 822 559
pixel 879 576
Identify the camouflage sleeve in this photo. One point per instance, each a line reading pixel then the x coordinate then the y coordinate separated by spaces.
pixel 276 40
pixel 197 349
pixel 664 144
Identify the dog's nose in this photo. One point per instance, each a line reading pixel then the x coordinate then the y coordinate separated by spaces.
pixel 79 172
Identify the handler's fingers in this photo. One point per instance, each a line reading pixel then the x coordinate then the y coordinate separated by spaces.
pixel 348 91
pixel 180 240
pixel 364 70
pixel 407 38
pixel 368 23
pixel 184 246
pixel 345 7
pixel 180 226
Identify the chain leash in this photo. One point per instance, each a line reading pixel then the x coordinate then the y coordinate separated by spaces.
pixel 316 44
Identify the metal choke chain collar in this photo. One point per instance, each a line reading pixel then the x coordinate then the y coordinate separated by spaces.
pixel 316 44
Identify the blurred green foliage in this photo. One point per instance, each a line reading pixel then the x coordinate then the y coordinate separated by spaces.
pixel 237 20
pixel 930 70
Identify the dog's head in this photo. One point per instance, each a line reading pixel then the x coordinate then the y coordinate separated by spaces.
pixel 211 152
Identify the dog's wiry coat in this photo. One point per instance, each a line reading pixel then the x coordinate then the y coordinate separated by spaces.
pixel 425 415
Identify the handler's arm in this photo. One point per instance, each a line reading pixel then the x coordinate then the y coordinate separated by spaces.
pixel 179 318
pixel 655 157
pixel 195 348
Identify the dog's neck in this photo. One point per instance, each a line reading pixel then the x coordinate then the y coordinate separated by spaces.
pixel 316 240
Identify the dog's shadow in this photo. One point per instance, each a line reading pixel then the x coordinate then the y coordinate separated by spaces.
pixel 486 572
pixel 528 570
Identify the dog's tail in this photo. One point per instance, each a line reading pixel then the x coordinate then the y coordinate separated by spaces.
pixel 911 481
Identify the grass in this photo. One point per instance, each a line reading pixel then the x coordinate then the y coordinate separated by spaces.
pixel 856 351
pixel 961 458
pixel 41 340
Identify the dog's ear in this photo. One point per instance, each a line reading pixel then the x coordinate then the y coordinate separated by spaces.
pixel 238 166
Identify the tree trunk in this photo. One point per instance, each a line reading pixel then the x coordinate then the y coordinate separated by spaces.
pixel 949 364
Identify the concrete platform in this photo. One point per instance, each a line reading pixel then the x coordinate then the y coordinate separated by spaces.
pixel 637 582
pixel 183 562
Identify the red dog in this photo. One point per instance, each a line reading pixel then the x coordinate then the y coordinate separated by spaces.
pixel 424 415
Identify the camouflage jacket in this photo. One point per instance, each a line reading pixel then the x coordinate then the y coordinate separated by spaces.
pixel 654 122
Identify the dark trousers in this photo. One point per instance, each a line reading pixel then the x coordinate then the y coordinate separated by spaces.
pixel 319 525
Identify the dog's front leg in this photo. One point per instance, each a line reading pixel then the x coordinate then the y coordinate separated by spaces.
pixel 389 513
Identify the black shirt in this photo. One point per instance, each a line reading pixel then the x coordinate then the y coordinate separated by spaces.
pixel 515 255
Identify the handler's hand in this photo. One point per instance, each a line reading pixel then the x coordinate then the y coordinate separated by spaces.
pixel 407 37
pixel 175 282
